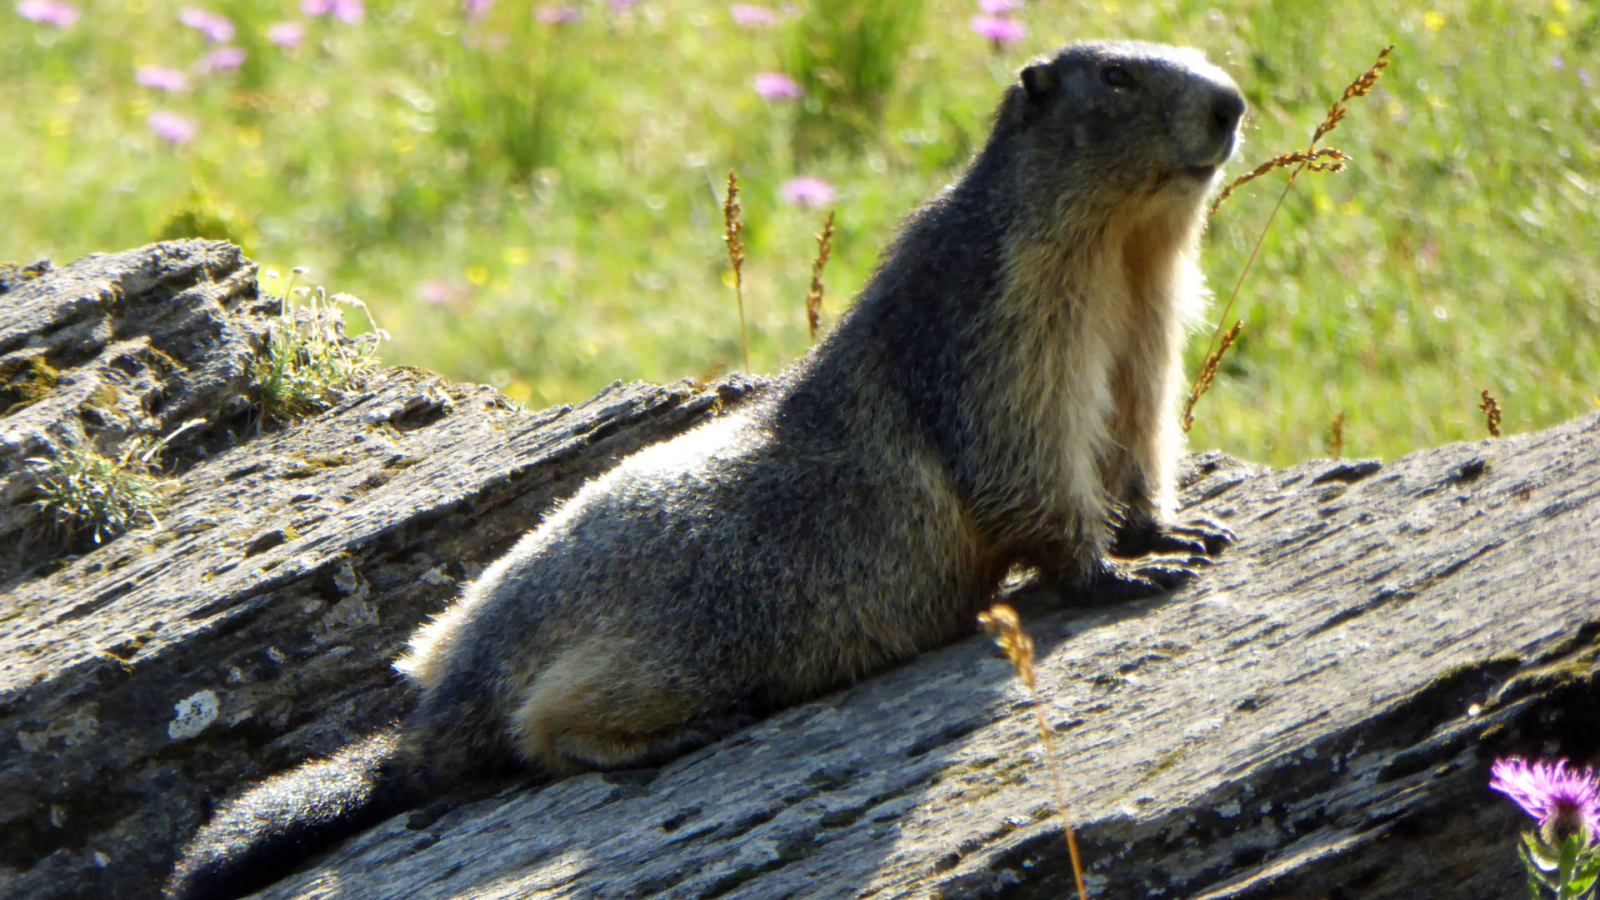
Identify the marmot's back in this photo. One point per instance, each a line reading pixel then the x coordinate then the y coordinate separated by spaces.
pixel 1001 393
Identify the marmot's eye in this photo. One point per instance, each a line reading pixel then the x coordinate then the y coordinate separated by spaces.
pixel 1117 77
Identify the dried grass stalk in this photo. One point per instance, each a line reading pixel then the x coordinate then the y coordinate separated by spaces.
pixel 1335 441
pixel 730 236
pixel 1208 371
pixel 1003 623
pixel 1491 413
pixel 814 297
pixel 1323 159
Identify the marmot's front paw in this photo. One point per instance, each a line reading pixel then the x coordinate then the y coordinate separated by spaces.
pixel 1200 535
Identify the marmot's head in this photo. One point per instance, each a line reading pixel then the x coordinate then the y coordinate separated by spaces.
pixel 1102 123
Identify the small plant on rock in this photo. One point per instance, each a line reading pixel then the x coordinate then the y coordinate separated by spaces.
pixel 310 362
pixel 87 492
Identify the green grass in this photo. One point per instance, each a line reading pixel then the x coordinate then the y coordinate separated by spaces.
pixel 556 188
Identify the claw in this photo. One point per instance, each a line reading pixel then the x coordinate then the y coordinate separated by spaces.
pixel 1115 584
pixel 1208 531
pixel 1192 537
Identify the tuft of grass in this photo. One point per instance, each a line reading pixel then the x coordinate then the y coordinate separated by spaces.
pixel 1457 250
pixel 310 363
pixel 1005 626
pixel 730 236
pixel 848 55
pixel 1312 158
pixel 1491 413
pixel 1335 441
pixel 85 492
pixel 814 296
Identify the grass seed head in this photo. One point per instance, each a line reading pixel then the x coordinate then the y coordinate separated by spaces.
pixel 1005 626
pixel 1208 372
pixel 1491 413
pixel 814 297
pixel 1335 442
pixel 731 227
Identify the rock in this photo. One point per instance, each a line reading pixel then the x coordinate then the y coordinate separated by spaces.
pixel 1314 717
pixel 113 346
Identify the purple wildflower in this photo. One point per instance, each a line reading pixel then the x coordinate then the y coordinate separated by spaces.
pixel 477 9
pixel 999 29
pixel 172 127
pixel 808 191
pixel 218 28
pixel 50 12
pixel 751 17
pixel 222 59
pixel 777 86
pixel 287 35
pixel 161 79
pixel 1564 802
pixel 622 5
pixel 558 15
pixel 1000 7
pixel 351 11
pixel 437 292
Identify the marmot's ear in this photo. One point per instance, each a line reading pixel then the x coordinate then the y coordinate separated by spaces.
pixel 1039 80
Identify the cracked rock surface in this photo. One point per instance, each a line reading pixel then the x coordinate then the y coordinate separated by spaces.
pixel 1314 717
pixel 116 345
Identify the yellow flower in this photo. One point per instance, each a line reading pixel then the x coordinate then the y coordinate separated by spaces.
pixel 1556 29
pixel 1433 19
pixel 1562 6
pixel 516 256
pixel 477 274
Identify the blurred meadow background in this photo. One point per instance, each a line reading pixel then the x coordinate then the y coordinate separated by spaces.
pixel 528 195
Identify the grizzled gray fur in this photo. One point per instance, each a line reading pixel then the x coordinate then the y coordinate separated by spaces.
pixel 1002 393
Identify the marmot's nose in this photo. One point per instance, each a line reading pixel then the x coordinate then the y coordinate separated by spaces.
pixel 1227 107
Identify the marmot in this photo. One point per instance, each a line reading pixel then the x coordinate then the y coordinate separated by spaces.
pixel 1002 392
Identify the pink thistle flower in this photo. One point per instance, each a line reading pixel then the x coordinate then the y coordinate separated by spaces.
pixel 1000 7
pixel 751 17
pixel 437 292
pixel 807 191
pixel 170 126
pixel 477 9
pixel 558 15
pixel 222 59
pixel 351 11
pixel 161 79
pixel 1564 802
pixel 218 28
pixel 998 29
pixel 287 35
pixel 50 12
pixel 777 86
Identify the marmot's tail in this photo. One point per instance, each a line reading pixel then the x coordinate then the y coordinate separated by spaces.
pixel 257 838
